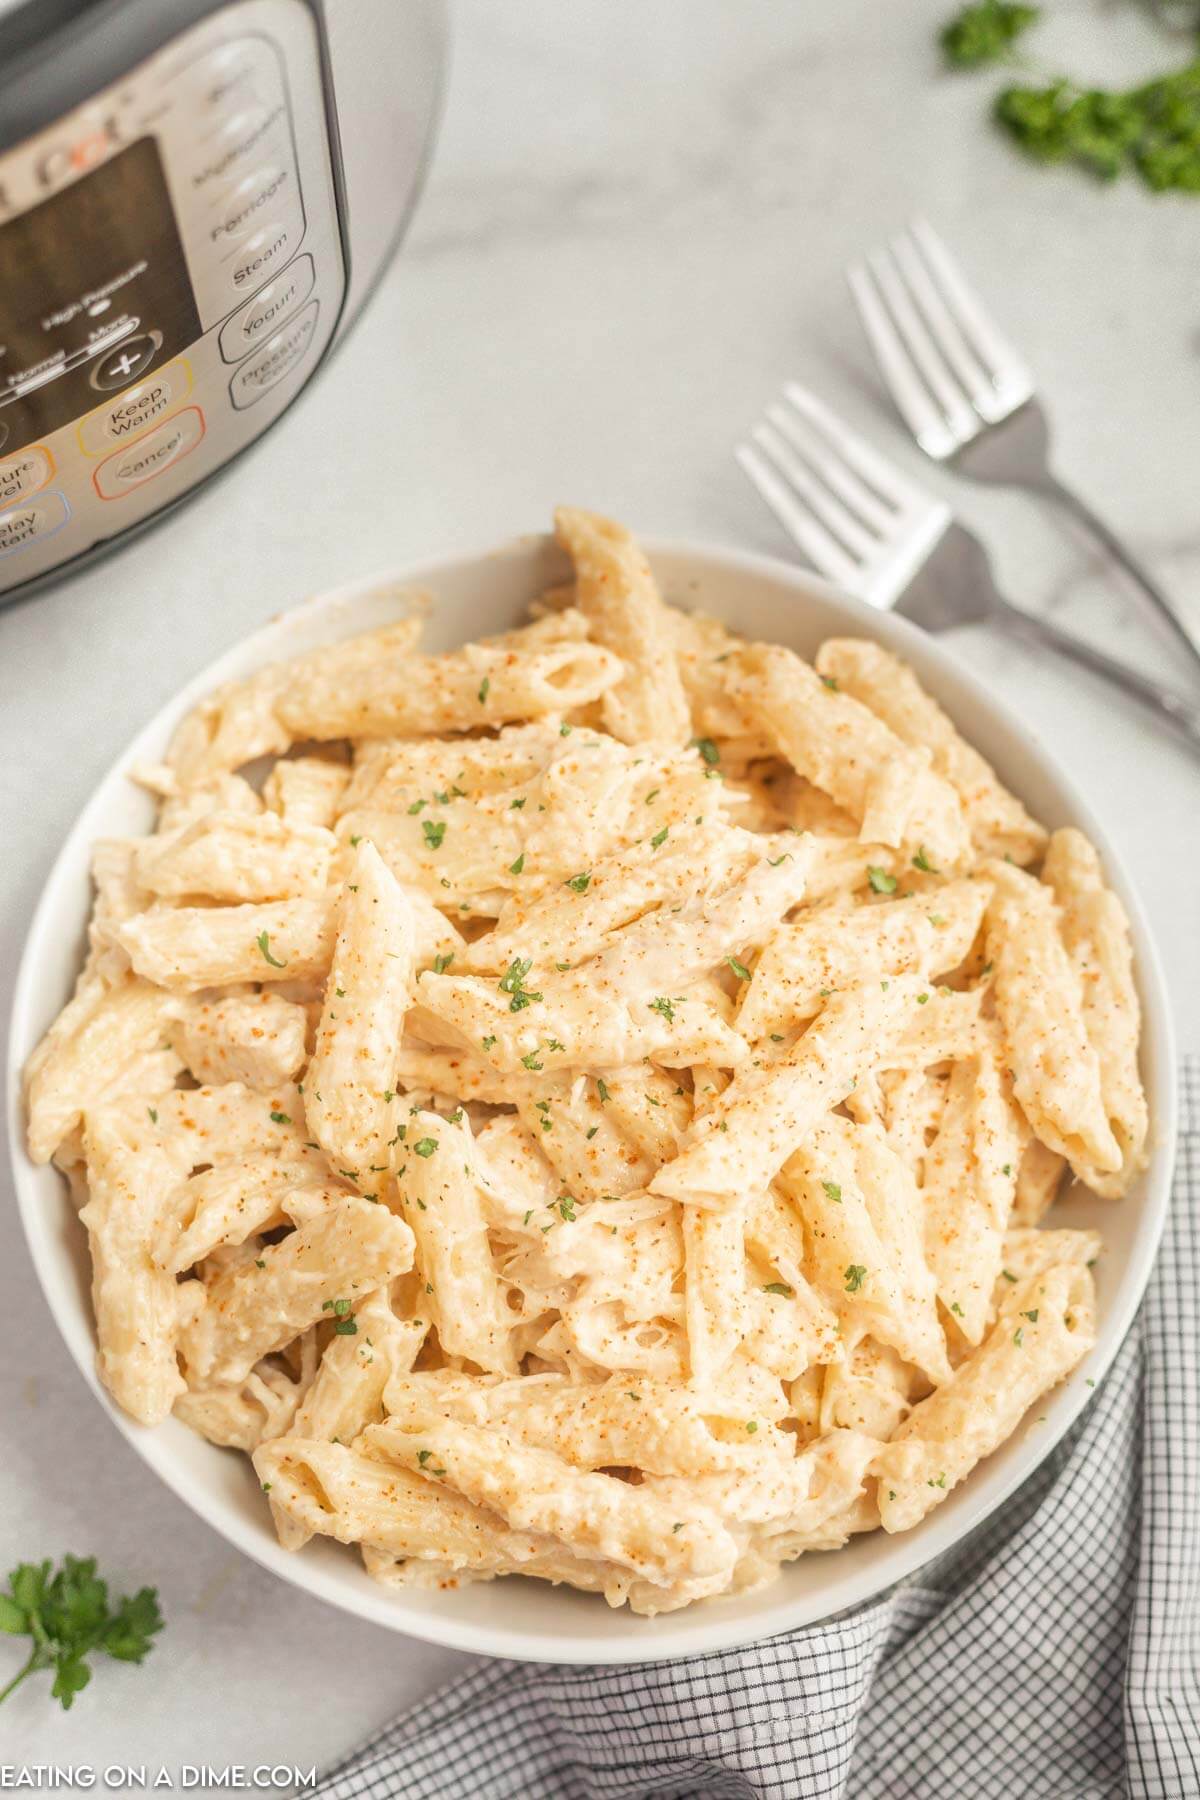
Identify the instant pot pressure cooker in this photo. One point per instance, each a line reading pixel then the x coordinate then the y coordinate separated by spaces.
pixel 195 199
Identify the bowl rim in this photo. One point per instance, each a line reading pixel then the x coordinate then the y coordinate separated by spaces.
pixel 695 1630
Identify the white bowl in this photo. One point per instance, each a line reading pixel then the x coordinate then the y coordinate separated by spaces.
pixel 480 594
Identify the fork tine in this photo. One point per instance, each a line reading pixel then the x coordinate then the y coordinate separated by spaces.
pixel 864 504
pixel 958 414
pixel 918 411
pixel 947 332
pixel 856 454
pixel 786 443
pixel 1009 374
pixel 822 550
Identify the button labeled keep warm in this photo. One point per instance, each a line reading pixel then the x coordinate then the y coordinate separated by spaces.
pixel 136 410
pixel 277 358
pixel 153 454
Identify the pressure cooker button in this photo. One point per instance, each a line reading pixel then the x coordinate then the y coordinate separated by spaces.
pixel 232 73
pixel 152 455
pixel 136 410
pixel 24 473
pixel 123 364
pixel 262 255
pixel 225 152
pixel 32 521
pixel 272 304
pixel 277 358
pixel 266 194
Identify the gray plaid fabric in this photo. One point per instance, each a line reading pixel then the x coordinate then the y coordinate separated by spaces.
pixel 1054 1657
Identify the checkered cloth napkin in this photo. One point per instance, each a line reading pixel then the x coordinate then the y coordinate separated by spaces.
pixel 1055 1657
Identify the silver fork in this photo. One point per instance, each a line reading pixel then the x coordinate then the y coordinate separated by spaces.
pixel 866 526
pixel 965 393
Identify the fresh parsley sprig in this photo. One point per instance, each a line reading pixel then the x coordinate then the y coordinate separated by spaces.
pixel 985 32
pixel 68 1616
pixel 1153 129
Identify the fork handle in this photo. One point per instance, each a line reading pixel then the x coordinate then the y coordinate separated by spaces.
pixel 1181 716
pixel 1047 482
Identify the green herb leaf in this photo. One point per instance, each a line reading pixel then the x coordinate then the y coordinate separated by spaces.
pixel 263 941
pixel 515 868
pixel 659 838
pixel 921 861
pixel 425 1146
pixel 708 750
pixel 779 1287
pixel 984 32
pixel 68 1618
pixel 484 689
pixel 739 968
pixel 881 882
pixel 855 1276
pixel 579 883
pixel 434 831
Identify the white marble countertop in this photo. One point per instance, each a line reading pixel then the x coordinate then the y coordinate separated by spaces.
pixel 634 231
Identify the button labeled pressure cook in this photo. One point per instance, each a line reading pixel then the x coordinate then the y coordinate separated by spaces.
pixel 268 310
pixel 126 362
pixel 152 455
pixel 32 522
pixel 277 358
pixel 24 474
pixel 137 409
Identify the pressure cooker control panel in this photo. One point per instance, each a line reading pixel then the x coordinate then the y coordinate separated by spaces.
pixel 170 272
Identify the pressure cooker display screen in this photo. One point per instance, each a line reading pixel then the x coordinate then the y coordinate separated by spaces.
pixel 94 290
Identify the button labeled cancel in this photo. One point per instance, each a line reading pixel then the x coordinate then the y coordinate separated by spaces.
pixel 24 525
pixel 277 358
pixel 152 455
pixel 136 410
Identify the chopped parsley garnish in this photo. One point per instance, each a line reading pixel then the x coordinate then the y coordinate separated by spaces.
pixel 434 831
pixel 830 682
pixel 484 690
pixel 774 861
pixel 1019 1336
pixel 739 968
pixel 922 999
pixel 153 1111
pixel 566 1206
pixel 516 805
pixel 779 1287
pixel 1032 1316
pixel 660 1004
pixel 832 1189
pixel 263 941
pixel 602 1089
pixel 442 962
pixel 488 1041
pixel 425 1146
pixel 345 1328
pixel 280 1118
pixel 515 868
pixel 579 883
pixel 531 1062
pixel 659 838
pixel 921 861
pixel 855 1276
pixel 512 982
pixel 416 807
pixel 708 750
pixel 881 882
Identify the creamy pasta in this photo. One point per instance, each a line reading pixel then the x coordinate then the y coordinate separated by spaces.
pixel 587 1110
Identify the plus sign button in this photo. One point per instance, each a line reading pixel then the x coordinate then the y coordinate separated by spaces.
pixel 119 367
